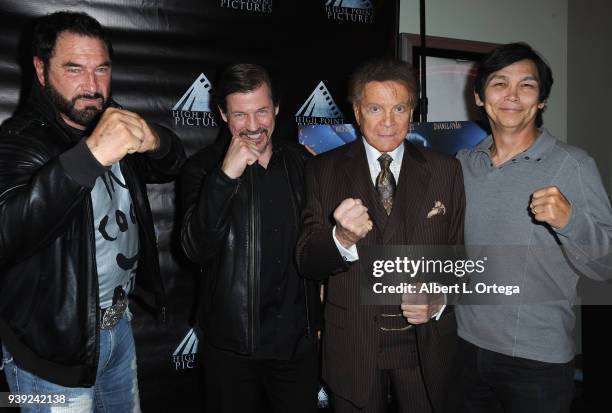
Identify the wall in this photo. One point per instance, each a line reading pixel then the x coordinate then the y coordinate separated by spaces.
pixel 589 89
pixel 575 37
pixel 541 23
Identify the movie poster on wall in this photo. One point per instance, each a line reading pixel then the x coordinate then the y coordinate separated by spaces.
pixel 447 137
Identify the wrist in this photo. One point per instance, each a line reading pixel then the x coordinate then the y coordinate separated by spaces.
pixel 345 242
pixel 229 173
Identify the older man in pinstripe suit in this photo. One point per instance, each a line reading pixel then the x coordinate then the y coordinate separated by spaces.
pixel 379 190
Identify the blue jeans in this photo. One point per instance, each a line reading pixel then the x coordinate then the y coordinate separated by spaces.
pixel 116 387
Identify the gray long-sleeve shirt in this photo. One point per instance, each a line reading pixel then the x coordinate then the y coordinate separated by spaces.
pixel 536 257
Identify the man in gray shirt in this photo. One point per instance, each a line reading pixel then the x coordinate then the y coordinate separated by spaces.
pixel 542 204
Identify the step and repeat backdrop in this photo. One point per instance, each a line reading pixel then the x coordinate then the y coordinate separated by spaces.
pixel 167 54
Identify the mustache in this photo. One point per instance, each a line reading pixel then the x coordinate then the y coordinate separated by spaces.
pixel 90 96
pixel 246 133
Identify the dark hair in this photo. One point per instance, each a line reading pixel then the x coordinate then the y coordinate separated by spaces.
pixel 241 78
pixel 506 55
pixel 381 70
pixel 49 27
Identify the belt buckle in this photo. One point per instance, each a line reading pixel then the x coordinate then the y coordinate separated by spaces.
pixel 391 328
pixel 112 314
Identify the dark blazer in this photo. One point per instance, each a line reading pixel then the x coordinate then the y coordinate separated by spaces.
pixel 351 336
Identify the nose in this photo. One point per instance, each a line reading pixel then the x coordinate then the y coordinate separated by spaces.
pixel 389 119
pixel 91 82
pixel 252 122
pixel 512 95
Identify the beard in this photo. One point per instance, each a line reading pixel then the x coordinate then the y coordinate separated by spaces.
pixel 84 117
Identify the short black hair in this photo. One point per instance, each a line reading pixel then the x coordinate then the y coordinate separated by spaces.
pixel 241 78
pixel 49 27
pixel 504 56
pixel 382 70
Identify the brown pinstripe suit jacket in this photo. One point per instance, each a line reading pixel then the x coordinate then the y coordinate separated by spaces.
pixel 351 337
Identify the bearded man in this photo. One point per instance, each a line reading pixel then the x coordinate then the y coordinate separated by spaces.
pixel 77 231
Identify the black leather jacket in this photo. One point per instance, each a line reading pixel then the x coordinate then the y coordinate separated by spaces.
pixel 49 311
pixel 221 232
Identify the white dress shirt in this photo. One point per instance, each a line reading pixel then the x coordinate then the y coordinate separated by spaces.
pixel 372 154
pixel 350 254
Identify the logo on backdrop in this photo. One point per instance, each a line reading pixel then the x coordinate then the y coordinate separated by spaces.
pixel 319 109
pixel 257 6
pixel 193 108
pixel 357 11
pixel 184 357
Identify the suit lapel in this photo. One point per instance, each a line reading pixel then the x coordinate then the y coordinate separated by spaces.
pixel 358 174
pixel 409 195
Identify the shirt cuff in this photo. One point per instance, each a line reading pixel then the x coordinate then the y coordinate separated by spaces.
pixel 349 254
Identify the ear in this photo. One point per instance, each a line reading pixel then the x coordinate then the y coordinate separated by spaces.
pixel 541 105
pixel 39 68
pixel 479 101
pixel 357 113
pixel 276 110
pixel 223 115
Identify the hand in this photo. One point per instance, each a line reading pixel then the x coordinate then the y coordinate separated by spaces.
pixel 419 308
pixel 241 152
pixel 549 205
pixel 118 133
pixel 150 142
pixel 352 222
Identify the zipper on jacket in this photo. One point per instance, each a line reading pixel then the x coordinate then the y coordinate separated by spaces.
pixel 144 238
pixel 253 278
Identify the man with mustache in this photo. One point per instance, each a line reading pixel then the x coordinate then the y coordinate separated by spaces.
pixel 242 201
pixel 77 230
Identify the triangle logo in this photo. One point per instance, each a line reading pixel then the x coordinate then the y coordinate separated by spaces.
pixel 351 4
pixel 189 345
pixel 320 104
pixel 197 97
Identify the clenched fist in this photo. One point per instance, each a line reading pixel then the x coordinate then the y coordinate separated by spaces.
pixel 118 133
pixel 241 152
pixel 419 308
pixel 549 205
pixel 352 222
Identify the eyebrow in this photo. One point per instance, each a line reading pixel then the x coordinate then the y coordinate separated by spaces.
pixel 73 64
pixel 256 110
pixel 504 77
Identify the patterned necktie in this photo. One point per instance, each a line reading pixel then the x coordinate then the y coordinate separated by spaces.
pixel 385 183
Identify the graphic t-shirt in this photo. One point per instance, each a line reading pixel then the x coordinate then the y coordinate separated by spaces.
pixel 116 229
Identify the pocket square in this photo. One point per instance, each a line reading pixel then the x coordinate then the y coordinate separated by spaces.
pixel 438 209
